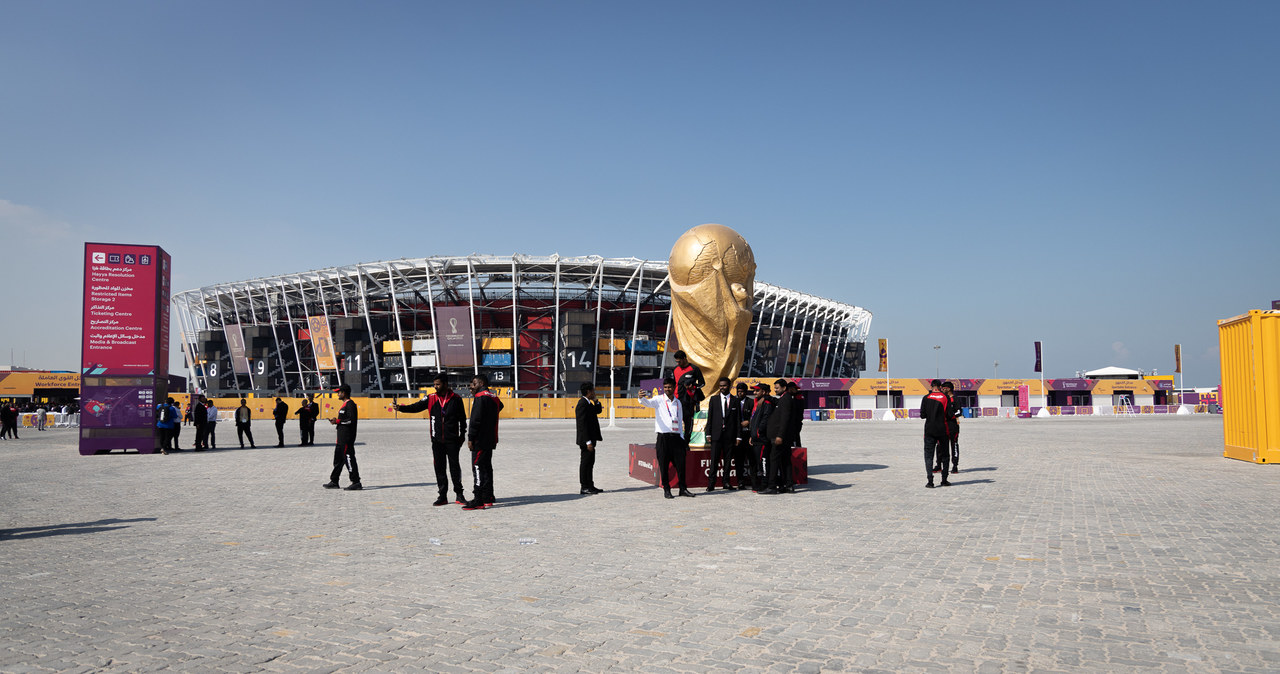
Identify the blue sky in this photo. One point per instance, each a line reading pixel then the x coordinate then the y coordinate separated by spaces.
pixel 1101 176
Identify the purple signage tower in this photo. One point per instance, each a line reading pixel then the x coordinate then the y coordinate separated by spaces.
pixel 124 348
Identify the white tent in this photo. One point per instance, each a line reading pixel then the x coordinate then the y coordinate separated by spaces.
pixel 1113 372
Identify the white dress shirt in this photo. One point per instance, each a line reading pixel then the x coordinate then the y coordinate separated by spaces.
pixel 668 417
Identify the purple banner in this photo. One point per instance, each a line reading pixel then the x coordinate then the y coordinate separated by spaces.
pixel 1070 384
pixel 235 343
pixel 824 384
pixel 454 337
pixel 1038 358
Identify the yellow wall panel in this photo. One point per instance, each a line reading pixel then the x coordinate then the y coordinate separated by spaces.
pixel 1249 352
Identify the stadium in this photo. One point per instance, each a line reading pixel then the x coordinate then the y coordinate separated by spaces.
pixel 538 326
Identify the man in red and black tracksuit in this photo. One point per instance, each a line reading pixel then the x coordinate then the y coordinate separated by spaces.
pixel 344 452
pixel 448 430
pixel 689 383
pixel 933 409
pixel 482 438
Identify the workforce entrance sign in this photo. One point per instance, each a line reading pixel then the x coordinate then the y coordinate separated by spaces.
pixel 124 349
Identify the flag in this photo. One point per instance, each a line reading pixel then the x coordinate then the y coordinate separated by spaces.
pixel 1038 366
pixel 884 355
pixel 1177 358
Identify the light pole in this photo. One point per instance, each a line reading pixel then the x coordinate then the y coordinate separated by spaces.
pixel 995 370
pixel 937 361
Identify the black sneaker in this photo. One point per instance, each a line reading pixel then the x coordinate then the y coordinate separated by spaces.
pixel 946 484
pixel 354 486
pixel 473 505
pixel 331 485
pixel 441 501
pixel 929 485
pixel 460 499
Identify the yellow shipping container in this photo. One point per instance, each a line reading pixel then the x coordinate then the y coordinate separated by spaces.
pixel 495 344
pixel 1249 349
pixel 613 361
pixel 619 345
pixel 392 346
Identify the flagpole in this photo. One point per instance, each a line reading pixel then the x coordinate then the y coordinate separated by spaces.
pixel 612 392
pixel 1044 393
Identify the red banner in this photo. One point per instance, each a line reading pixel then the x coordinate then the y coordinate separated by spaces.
pixel 126 310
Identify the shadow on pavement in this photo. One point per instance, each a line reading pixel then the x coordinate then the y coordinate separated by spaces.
pixel 822 485
pixel 975 470
pixel 397 486
pixel 69 529
pixel 541 498
pixel 847 468
pixel 957 483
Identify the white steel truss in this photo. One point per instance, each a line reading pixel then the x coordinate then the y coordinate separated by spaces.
pixel 519 297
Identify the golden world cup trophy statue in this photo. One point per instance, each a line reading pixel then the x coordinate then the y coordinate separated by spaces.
pixel 713 275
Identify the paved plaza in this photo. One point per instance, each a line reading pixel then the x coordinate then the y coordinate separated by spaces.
pixel 1064 545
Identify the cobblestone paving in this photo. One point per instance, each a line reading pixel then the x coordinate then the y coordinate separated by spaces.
pixel 1064 545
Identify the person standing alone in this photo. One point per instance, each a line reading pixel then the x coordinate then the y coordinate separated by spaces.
pixel 244 417
pixel 281 414
pixel 587 419
pixel 344 450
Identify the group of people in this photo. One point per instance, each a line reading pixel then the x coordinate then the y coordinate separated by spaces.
pixel 941 432
pixel 750 437
pixel 307 414
pixel 449 428
pixel 9 421
pixel 11 413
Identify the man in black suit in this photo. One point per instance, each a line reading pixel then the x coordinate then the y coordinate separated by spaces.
pixel 742 451
pixel 761 446
pixel 722 428
pixel 281 414
pixel 780 431
pixel 587 414
pixel 200 417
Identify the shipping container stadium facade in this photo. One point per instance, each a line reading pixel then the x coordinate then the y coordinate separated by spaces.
pixel 536 325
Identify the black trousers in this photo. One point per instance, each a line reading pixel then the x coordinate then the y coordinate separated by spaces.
pixel 212 429
pixel 166 438
pixel 344 455
pixel 586 467
pixel 779 475
pixel 280 432
pixel 935 453
pixel 241 431
pixel 671 448
pixel 722 454
pixel 482 468
pixel 174 433
pixel 307 431
pixel 954 443
pixel 758 455
pixel 202 435
pixel 445 455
